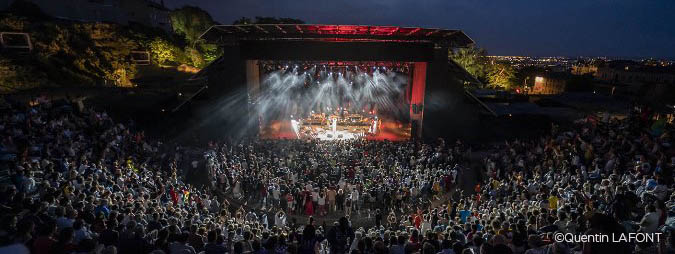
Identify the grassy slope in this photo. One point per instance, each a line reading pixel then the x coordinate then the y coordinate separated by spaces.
pixel 70 54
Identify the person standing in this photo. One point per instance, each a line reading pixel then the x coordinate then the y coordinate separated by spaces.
pixel 330 194
pixel 291 202
pixel 348 205
pixel 378 218
pixel 280 219
pixel 309 204
pixel 355 199
pixel 322 203
pixel 339 200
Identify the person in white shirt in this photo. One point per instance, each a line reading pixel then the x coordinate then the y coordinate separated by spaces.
pixel 276 194
pixel 426 224
pixel 280 219
pixel 322 203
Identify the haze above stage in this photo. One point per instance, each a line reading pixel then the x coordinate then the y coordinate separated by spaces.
pixel 245 45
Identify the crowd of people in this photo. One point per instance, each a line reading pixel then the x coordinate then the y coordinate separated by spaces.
pixel 80 182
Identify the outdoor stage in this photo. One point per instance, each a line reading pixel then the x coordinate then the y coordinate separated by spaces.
pixel 276 76
pixel 385 130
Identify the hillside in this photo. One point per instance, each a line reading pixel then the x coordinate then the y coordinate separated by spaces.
pixel 67 54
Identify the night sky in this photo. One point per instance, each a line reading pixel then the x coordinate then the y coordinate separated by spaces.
pixel 615 28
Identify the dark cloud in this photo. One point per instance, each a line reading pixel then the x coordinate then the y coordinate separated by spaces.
pixel 514 27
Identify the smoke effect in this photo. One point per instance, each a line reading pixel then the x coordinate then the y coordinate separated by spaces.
pixel 290 92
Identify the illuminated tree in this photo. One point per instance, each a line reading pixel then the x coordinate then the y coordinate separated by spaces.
pixel 162 51
pixel 190 22
pixel 210 52
pixel 502 75
pixel 474 60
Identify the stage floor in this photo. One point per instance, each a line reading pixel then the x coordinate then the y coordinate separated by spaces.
pixel 387 130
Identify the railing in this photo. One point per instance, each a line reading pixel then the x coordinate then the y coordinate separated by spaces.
pixel 140 57
pixel 7 40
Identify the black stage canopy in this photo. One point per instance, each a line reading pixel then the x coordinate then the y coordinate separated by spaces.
pixel 232 34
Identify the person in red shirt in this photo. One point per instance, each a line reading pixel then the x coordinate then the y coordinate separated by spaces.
pixel 309 206
pixel 45 240
pixel 418 220
pixel 65 243
pixel 174 196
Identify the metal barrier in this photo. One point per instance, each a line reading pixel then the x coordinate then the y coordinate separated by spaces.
pixel 140 57
pixel 8 39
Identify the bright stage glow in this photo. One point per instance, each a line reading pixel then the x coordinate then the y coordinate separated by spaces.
pixel 338 135
pixel 286 93
pixel 318 97
pixel 296 127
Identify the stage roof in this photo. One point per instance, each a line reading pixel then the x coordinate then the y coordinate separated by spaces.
pixel 228 34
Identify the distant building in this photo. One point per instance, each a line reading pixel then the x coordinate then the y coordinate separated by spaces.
pixel 147 12
pixel 583 69
pixel 633 73
pixel 550 83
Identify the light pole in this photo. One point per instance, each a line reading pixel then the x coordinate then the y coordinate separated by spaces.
pixel 525 81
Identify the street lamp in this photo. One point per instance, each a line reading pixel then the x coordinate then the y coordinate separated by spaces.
pixel 525 81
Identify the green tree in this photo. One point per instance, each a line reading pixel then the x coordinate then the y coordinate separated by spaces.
pixel 162 51
pixel 474 60
pixel 191 22
pixel 502 75
pixel 210 52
